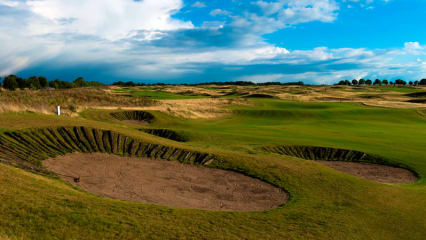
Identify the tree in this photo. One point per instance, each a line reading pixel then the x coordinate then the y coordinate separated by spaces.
pixel 34 83
pixel 43 82
pixel 385 82
pixel 361 82
pixel 22 83
pixel 423 82
pixel 377 82
pixel 10 82
pixel 354 82
pixel 410 83
pixel 416 83
pixel 54 84
pixel 400 82
pixel 368 82
pixel 79 82
pixel 65 85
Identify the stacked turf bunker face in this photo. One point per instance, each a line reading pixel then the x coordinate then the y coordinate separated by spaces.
pixel 133 116
pixel 166 133
pixel 324 153
pixel 27 148
pixel 350 161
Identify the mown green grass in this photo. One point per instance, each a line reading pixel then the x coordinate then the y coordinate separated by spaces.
pixel 325 204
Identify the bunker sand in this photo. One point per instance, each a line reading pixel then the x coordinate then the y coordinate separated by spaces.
pixel 166 183
pixel 374 172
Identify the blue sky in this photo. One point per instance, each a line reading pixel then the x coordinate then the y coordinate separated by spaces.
pixel 176 41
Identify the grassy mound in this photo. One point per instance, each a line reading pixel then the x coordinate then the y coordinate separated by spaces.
pixel 26 149
pixel 133 115
pixel 166 133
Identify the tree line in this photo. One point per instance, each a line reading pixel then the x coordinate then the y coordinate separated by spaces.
pixel 379 82
pixel 13 82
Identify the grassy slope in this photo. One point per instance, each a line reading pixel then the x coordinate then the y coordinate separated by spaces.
pixel 325 203
pixel 159 95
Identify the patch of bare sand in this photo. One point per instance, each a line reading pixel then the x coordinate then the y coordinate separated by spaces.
pixel 374 172
pixel 166 182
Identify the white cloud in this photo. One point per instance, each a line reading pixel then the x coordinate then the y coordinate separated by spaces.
pixel 9 3
pixel 216 12
pixel 262 78
pixel 412 46
pixel 198 4
pixel 110 19
pixel 299 11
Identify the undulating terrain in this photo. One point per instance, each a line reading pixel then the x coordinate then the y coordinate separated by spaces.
pixel 243 162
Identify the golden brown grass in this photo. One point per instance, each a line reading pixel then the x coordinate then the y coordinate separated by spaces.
pixel 71 100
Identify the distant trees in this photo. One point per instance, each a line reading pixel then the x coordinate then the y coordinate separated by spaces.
pixel 344 82
pixel 58 84
pixel 10 82
pixel 378 82
pixel 13 82
pixel 400 82
pixel 43 82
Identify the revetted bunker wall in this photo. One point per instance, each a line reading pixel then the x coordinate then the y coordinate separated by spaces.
pixel 165 133
pixel 324 153
pixel 27 148
pixel 133 115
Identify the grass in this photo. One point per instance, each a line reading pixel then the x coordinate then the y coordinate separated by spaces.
pixel 71 100
pixel 325 204
pixel 158 95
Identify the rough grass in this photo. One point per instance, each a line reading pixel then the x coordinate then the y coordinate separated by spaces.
pixel 324 204
pixel 71 100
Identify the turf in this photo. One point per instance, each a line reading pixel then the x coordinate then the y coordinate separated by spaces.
pixel 324 204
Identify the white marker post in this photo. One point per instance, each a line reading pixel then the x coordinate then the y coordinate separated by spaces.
pixel 59 110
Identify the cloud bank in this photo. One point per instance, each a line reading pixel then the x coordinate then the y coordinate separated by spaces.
pixel 109 40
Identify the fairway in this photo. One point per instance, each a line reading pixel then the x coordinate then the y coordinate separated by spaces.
pixel 40 199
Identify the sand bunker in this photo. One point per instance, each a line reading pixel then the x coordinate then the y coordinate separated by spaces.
pixel 167 183
pixel 374 172
pixel 349 161
pixel 134 117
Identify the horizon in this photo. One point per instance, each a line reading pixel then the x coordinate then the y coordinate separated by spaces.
pixel 177 42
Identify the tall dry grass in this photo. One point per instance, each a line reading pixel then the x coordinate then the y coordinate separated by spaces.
pixel 70 100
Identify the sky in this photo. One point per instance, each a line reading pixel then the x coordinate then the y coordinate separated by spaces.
pixel 192 41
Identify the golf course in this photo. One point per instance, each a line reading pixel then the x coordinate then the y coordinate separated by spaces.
pixel 236 163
